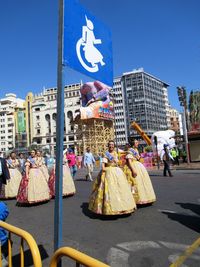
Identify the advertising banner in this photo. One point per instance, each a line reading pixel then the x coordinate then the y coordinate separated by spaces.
pixel 21 122
pixel 96 102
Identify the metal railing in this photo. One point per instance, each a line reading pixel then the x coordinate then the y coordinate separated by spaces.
pixel 79 257
pixel 24 236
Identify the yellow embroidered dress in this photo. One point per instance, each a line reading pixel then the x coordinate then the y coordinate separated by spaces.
pixel 10 190
pixel 141 185
pixel 111 193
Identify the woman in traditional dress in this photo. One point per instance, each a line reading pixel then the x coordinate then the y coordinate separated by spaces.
pixel 111 193
pixel 10 190
pixel 138 177
pixel 33 187
pixel 68 183
pixel 42 165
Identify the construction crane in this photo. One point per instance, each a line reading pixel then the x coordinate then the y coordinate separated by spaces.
pixel 141 132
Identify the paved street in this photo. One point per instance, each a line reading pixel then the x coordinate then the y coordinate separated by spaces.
pixel 151 237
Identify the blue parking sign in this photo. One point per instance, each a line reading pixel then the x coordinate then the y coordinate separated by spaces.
pixel 87 43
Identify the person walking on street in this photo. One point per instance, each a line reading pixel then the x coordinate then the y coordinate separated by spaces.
pixel 71 157
pixel 177 156
pixel 22 162
pixel 165 157
pixel 89 164
pixel 184 156
pixel 111 193
pixel 173 154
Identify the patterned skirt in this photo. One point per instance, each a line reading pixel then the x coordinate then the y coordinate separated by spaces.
pixel 111 193
pixel 68 183
pixel 33 189
pixel 141 185
pixel 10 190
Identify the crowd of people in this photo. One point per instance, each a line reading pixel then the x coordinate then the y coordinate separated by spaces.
pixel 116 190
pixel 32 180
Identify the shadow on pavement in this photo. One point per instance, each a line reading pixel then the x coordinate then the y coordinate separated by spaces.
pixel 28 258
pixel 82 180
pixel 92 215
pixel 141 206
pixel 192 222
pixel 29 205
pixel 190 206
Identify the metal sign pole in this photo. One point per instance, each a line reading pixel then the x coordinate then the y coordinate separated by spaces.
pixel 186 136
pixel 59 136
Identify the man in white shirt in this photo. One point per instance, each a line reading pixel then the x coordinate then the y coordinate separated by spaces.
pixel 165 157
pixel 89 164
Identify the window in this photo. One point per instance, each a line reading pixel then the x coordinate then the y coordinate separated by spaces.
pixel 71 138
pixel 38 141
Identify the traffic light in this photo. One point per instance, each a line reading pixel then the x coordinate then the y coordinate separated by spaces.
pixel 182 96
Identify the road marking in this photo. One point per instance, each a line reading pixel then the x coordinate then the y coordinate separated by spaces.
pixel 188 252
pixel 168 211
pixel 118 256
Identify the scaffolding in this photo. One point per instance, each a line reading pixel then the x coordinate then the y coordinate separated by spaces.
pixel 93 133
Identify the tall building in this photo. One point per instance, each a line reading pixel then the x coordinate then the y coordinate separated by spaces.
pixel 119 104
pixel 8 108
pixel 146 102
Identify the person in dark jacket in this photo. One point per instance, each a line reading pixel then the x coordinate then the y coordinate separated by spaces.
pixel 165 157
pixel 4 172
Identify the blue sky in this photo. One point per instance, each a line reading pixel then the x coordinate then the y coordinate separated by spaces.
pixel 162 36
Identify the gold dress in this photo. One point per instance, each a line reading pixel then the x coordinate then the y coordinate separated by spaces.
pixel 10 190
pixel 141 185
pixel 111 194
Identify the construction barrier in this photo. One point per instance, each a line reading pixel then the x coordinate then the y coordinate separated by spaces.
pixel 79 257
pixel 24 236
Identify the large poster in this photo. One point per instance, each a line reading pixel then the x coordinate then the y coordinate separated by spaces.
pixel 96 102
pixel 21 122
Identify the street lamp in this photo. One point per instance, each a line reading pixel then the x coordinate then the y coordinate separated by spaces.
pixel 182 96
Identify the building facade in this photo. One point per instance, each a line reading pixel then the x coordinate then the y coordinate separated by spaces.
pixel 8 128
pixel 175 121
pixel 119 110
pixel 43 117
pixel 137 96
pixel 146 102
